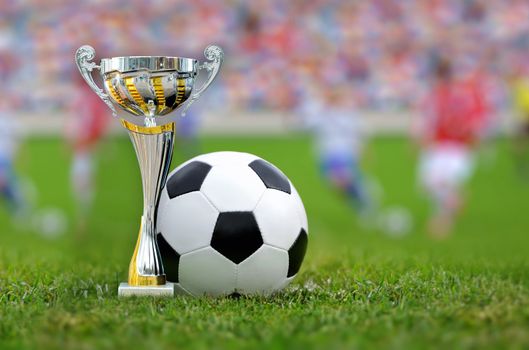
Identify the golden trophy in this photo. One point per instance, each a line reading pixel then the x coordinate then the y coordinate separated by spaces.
pixel 147 90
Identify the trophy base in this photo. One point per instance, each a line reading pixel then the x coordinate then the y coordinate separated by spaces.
pixel 166 290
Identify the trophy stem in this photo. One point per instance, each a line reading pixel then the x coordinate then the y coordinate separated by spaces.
pixel 154 148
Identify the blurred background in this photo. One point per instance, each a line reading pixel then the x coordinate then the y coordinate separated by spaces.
pixel 385 50
pixel 335 93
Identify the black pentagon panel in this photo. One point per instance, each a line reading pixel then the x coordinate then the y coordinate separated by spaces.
pixel 187 179
pixel 236 235
pixel 170 259
pixel 296 253
pixel 271 176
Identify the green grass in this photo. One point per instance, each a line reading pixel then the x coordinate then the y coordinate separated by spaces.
pixel 356 288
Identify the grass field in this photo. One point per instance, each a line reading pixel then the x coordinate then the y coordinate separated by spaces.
pixel 356 288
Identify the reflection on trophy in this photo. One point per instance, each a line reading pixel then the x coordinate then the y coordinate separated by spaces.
pixel 149 89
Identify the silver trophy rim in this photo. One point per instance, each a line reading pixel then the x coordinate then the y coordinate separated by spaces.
pixel 126 64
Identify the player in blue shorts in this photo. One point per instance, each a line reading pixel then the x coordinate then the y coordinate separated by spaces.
pixel 9 140
pixel 339 136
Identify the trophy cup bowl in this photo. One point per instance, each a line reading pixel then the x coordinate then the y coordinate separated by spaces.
pixel 147 90
pixel 139 84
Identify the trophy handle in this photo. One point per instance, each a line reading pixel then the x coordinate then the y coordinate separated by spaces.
pixel 215 55
pixel 83 56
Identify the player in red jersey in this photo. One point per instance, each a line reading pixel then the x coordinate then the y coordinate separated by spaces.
pixel 454 112
pixel 86 126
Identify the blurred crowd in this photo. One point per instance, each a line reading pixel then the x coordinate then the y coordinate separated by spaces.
pixel 383 50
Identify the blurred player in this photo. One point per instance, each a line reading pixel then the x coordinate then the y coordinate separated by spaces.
pixel 339 137
pixel 89 117
pixel 454 115
pixel 520 100
pixel 187 128
pixel 9 142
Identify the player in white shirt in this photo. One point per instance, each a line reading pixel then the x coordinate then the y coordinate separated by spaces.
pixel 9 142
pixel 339 136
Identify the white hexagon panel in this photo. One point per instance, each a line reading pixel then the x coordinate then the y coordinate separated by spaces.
pixel 301 208
pixel 177 219
pixel 233 187
pixel 227 158
pixel 207 272
pixel 263 271
pixel 278 219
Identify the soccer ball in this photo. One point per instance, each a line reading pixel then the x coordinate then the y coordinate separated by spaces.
pixel 230 223
pixel 396 221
